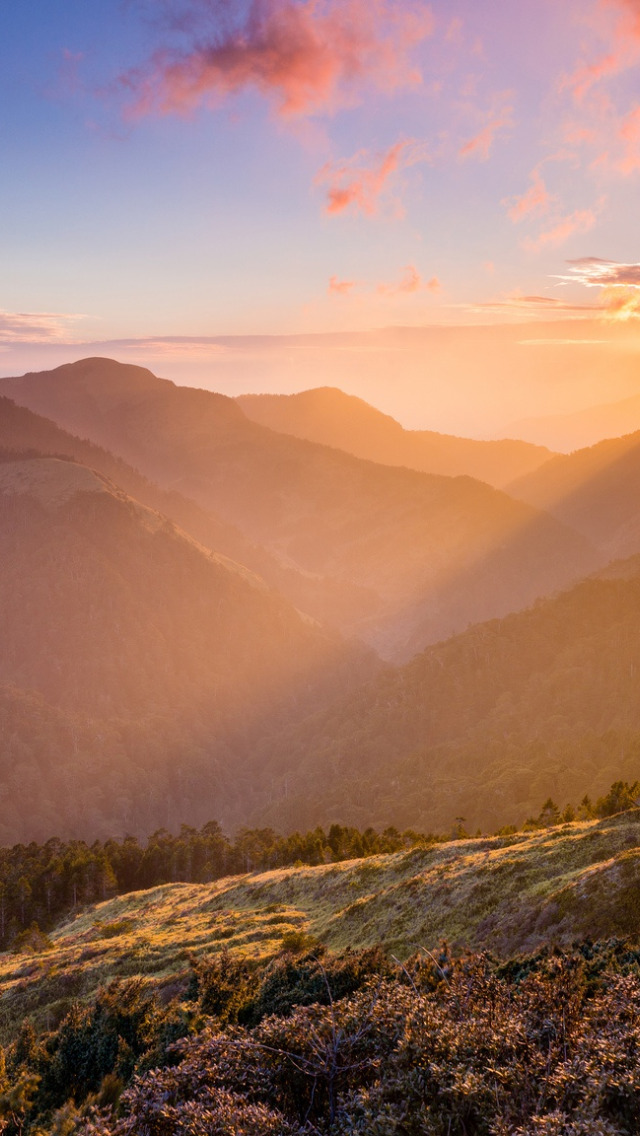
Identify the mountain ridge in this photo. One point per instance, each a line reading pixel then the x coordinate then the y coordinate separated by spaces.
pixel 331 417
pixel 400 557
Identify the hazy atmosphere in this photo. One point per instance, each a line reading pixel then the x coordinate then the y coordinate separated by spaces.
pixel 320 568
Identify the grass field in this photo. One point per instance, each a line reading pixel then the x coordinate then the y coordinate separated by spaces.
pixel 503 894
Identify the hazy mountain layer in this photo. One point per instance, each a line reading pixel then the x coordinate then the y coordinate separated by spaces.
pixel 582 427
pixel 595 490
pixel 399 557
pixel 138 667
pixel 483 726
pixel 21 430
pixel 329 416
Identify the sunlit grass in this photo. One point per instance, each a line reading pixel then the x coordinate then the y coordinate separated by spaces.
pixel 505 894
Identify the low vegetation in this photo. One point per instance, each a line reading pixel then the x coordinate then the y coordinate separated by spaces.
pixel 40 884
pixel 545 1045
pixel 509 893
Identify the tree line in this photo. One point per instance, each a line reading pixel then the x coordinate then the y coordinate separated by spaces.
pixel 42 883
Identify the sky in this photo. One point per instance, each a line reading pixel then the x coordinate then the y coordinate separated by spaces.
pixel 258 194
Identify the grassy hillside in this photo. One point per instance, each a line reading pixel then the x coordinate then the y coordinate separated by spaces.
pixel 333 418
pixel 400 558
pixel 505 894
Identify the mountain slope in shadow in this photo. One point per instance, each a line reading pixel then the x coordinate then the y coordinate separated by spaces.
pixel 159 662
pixel 483 726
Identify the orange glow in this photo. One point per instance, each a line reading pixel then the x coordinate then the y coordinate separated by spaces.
pixel 621 304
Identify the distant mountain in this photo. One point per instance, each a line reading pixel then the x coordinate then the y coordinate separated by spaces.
pixel 596 491
pixel 23 432
pixel 137 669
pixel 399 557
pixel 348 423
pixel 567 432
pixel 484 726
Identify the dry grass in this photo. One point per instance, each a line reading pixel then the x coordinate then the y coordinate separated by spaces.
pixel 506 894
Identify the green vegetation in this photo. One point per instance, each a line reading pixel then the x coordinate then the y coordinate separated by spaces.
pixel 133 683
pixel 40 884
pixel 484 725
pixel 541 1045
pixel 509 893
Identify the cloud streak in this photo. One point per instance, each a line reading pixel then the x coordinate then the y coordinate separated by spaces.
pixel 410 283
pixel 35 327
pixel 593 272
pixel 308 57
pixel 480 145
pixel 351 184
pixel 620 284
pixel 580 221
pixel 535 202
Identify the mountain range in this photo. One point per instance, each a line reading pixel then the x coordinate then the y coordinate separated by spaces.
pixel 190 599
pixel 581 428
pixel 138 668
pixel 399 557
pixel 329 416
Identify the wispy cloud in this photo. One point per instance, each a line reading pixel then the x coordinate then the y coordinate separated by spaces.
pixel 580 221
pixel 620 284
pixel 340 287
pixel 307 57
pixel 36 327
pixel 593 272
pixel 621 52
pixel 604 123
pixel 352 183
pixel 534 203
pixel 410 282
pixel 480 144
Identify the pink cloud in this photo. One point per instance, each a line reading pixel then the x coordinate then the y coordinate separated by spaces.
pixel 410 282
pixel 351 184
pixel 340 287
pixel 480 145
pixel 623 51
pixel 580 221
pixel 629 135
pixel 308 57
pixel 535 202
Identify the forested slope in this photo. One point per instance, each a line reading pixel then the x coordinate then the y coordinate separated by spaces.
pixel 483 725
pixel 137 668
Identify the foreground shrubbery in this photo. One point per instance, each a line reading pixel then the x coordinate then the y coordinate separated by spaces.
pixel 543 1046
